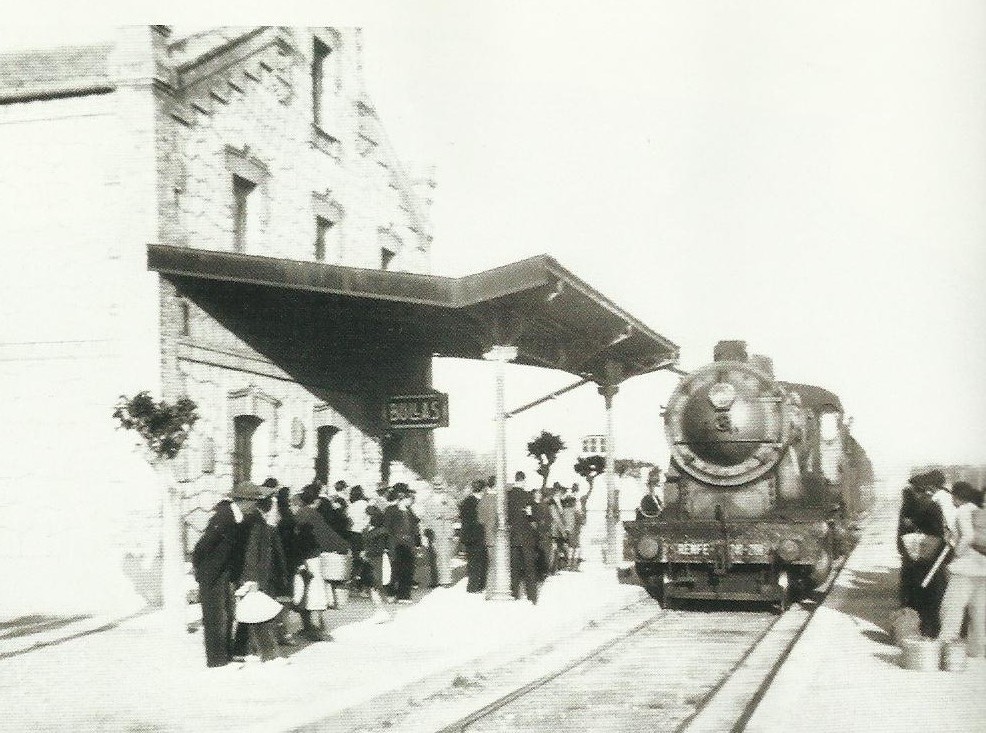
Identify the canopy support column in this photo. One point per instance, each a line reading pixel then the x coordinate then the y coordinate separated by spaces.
pixel 614 539
pixel 498 584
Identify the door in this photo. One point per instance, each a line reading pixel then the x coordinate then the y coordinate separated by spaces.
pixel 323 440
pixel 245 428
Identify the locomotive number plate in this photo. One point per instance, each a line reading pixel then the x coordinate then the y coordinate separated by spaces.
pixel 693 548
pixel 737 549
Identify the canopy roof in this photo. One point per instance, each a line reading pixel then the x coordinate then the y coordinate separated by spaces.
pixel 553 318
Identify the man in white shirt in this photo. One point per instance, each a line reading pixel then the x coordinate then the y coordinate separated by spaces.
pixel 943 498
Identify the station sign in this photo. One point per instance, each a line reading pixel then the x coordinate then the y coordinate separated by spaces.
pixel 404 412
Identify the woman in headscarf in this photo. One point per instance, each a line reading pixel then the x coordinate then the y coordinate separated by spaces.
pixel 313 537
pixel 921 530
pixel 264 569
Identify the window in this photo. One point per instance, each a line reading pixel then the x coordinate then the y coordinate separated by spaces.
pixel 243 217
pixel 324 240
pixel 594 444
pixel 320 54
pixel 386 256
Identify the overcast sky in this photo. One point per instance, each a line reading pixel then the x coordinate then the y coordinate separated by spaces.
pixel 810 177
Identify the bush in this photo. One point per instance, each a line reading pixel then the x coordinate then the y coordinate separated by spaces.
pixel 163 427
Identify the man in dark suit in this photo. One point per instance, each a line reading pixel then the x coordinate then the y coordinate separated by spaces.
pixel 472 535
pixel 523 539
pixel 405 537
pixel 488 518
pixel 218 562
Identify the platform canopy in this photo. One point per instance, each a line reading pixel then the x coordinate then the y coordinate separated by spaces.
pixel 553 318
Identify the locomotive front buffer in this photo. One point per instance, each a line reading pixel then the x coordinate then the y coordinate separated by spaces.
pixel 758 561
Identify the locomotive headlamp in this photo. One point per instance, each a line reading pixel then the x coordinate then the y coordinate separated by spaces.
pixel 648 548
pixel 722 395
pixel 789 550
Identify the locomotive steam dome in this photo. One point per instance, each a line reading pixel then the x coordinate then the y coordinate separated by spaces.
pixel 727 423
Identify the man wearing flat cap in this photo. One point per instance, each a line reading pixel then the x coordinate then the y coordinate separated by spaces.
pixel 218 561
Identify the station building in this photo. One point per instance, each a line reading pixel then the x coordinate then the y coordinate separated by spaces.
pixel 219 215
pixel 255 141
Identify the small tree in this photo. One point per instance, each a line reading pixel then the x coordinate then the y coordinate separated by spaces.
pixel 164 429
pixel 545 449
pixel 589 467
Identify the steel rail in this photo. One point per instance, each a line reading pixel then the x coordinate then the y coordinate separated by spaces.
pixel 745 712
pixel 501 702
pixel 750 706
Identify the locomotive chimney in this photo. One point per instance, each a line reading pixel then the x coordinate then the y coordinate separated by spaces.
pixel 730 351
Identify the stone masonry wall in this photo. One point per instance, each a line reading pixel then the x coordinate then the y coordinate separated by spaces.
pixel 258 108
pixel 250 114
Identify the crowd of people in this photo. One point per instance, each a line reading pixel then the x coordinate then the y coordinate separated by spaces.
pixel 941 537
pixel 544 526
pixel 268 551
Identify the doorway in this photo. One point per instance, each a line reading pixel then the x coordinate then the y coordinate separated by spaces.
pixel 323 460
pixel 245 429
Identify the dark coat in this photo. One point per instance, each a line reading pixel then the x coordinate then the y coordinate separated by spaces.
pixel 520 508
pixel 263 561
pixel 471 532
pixel 313 536
pixel 376 541
pixel 650 507
pixel 218 554
pixel 403 527
pixel 334 513
pixel 287 530
pixel 919 513
pixel 487 514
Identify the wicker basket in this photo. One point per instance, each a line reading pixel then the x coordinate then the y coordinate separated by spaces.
pixel 336 566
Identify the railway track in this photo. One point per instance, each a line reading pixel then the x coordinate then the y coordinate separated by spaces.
pixel 645 668
pixel 654 678
pixel 687 671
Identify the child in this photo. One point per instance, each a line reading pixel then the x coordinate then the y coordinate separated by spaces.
pixel 376 541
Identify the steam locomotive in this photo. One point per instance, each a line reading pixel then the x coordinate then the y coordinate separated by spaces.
pixel 764 481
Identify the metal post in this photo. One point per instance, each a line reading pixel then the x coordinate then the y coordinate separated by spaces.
pixel 614 539
pixel 498 587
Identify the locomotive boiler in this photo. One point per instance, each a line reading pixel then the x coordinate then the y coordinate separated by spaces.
pixel 763 478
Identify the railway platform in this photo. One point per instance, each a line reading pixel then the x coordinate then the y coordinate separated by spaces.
pixel 845 674
pixel 136 675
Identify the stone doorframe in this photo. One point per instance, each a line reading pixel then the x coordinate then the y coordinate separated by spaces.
pixel 255 402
